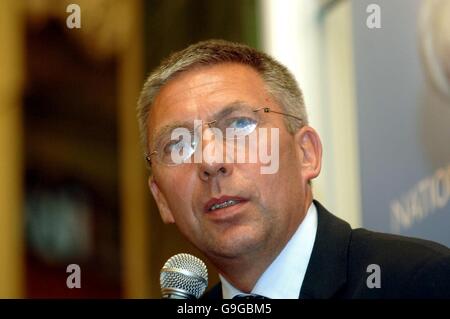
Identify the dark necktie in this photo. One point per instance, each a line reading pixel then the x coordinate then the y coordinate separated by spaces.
pixel 249 296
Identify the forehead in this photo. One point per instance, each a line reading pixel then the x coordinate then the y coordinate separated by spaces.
pixel 201 92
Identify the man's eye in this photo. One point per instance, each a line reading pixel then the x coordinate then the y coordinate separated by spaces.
pixel 176 145
pixel 242 125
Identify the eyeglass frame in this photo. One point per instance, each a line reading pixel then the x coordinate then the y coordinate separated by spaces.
pixel 209 124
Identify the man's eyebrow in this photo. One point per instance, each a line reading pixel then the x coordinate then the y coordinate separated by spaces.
pixel 225 111
pixel 230 108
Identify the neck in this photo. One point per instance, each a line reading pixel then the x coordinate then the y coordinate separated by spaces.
pixel 244 271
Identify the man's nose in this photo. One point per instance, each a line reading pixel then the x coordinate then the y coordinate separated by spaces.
pixel 210 170
pixel 210 167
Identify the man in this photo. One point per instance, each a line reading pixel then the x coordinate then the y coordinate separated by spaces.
pixel 262 230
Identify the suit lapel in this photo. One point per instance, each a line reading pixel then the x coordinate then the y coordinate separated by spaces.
pixel 327 267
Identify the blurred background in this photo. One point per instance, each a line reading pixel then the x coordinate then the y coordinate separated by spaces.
pixel 73 182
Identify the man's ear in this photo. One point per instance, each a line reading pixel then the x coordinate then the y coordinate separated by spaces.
pixel 161 202
pixel 310 148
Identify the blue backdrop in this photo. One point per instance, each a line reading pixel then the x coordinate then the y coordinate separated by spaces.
pixel 403 120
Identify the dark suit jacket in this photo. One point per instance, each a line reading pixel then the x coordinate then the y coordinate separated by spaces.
pixel 409 267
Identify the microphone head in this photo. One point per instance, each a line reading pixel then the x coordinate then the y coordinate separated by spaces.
pixel 183 276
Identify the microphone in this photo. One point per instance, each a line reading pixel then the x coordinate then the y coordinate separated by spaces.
pixel 183 276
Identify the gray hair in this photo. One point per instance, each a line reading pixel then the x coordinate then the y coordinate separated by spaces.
pixel 280 82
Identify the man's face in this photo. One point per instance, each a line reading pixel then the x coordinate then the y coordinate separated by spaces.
pixel 270 207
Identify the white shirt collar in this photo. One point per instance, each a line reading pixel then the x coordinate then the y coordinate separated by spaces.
pixel 283 279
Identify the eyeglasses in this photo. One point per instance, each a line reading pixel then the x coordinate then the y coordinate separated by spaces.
pixel 184 142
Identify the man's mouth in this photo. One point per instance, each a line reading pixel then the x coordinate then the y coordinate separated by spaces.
pixel 228 203
pixel 222 202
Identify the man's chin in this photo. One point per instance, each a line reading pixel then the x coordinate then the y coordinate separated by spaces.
pixel 234 247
